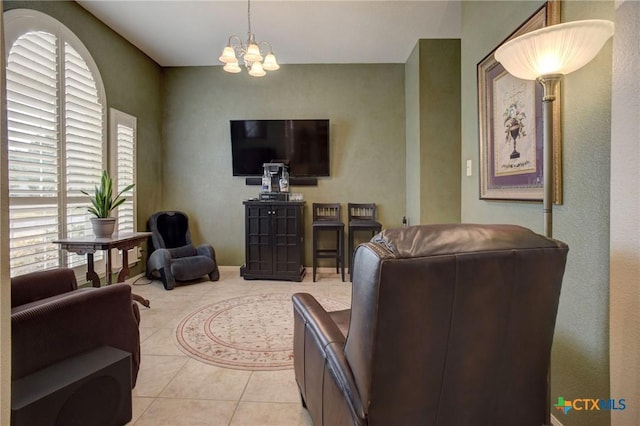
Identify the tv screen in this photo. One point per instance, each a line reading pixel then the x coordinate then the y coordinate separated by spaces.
pixel 302 144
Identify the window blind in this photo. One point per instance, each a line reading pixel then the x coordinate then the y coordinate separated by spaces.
pixel 125 161
pixel 33 145
pixel 55 122
pixel 84 148
pixel 122 143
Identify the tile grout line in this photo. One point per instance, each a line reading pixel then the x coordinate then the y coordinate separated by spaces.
pixel 235 410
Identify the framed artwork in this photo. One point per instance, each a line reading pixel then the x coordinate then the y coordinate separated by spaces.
pixel 510 121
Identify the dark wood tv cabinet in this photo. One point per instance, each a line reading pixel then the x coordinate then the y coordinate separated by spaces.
pixel 274 240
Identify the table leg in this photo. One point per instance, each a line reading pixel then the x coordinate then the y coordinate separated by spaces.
pixel 108 271
pixel 91 272
pixel 124 271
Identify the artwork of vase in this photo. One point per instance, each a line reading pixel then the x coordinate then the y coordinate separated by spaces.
pixel 514 128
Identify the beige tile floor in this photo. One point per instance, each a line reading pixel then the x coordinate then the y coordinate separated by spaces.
pixel 176 390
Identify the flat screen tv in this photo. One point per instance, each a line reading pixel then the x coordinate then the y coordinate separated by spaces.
pixel 302 144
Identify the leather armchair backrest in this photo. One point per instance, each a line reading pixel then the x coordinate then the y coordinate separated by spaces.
pixel 170 229
pixel 451 324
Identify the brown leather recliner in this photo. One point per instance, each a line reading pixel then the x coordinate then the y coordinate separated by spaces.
pixel 51 320
pixel 449 325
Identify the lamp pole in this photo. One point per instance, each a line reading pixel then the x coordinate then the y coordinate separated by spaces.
pixel 549 84
pixel 545 55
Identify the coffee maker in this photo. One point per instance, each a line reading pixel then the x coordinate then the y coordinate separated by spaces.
pixel 275 182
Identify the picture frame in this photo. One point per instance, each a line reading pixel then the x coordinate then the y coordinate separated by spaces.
pixel 510 126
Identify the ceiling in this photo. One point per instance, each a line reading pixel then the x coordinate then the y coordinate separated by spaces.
pixel 193 33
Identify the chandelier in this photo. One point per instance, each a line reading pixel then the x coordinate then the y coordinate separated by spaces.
pixel 250 53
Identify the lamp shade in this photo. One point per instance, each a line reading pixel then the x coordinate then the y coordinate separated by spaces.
pixel 270 63
pixel 557 49
pixel 253 53
pixel 257 70
pixel 232 67
pixel 228 55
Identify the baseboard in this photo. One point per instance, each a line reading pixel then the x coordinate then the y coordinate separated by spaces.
pixel 319 269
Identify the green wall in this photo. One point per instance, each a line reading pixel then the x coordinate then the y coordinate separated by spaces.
pixel 580 358
pixel 412 131
pixel 364 103
pixel 439 156
pixel 133 84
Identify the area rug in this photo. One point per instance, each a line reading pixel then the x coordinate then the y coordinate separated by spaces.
pixel 245 333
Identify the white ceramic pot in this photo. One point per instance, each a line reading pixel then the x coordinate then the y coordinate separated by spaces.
pixel 103 227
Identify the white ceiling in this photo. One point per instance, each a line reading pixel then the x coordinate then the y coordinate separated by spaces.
pixel 192 33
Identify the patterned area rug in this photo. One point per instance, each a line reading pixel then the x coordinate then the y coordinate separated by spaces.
pixel 245 333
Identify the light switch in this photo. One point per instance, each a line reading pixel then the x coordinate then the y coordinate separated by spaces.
pixel 468 167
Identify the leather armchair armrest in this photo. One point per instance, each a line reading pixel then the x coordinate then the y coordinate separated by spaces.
pixel 343 377
pixel 317 319
pixel 64 326
pixel 40 285
pixel 318 349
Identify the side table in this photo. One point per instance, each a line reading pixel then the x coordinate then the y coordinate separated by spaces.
pixel 123 242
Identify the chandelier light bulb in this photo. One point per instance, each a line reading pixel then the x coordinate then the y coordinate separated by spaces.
pixel 270 63
pixel 228 55
pixel 232 67
pixel 253 53
pixel 257 70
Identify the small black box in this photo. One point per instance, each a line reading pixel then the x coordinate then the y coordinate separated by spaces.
pixel 91 388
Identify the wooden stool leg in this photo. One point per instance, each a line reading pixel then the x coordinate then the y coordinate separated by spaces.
pixel 341 252
pixel 315 252
pixel 337 250
pixel 350 252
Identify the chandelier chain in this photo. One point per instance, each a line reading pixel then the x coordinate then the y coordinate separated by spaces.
pixel 249 16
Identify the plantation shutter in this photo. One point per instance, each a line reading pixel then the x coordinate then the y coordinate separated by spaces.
pixel 125 146
pixel 55 121
pixel 32 123
pixel 84 151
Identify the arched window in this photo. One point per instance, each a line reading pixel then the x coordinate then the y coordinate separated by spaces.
pixel 56 137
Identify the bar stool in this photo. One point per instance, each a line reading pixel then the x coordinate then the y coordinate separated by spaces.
pixel 326 217
pixel 362 217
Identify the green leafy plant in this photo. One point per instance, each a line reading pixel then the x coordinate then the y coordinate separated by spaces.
pixel 102 201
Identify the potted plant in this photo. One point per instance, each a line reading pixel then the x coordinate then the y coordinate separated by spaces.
pixel 102 203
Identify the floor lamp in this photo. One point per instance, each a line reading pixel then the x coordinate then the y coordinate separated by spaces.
pixel 546 55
